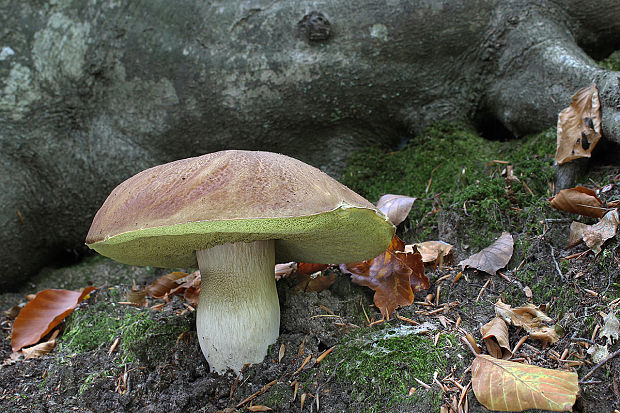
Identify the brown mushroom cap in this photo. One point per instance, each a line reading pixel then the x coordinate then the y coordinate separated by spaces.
pixel 162 215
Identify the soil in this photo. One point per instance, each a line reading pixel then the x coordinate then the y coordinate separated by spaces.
pixel 157 365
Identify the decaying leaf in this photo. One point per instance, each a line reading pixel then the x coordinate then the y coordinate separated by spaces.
pixel 285 270
pixel 598 352
pixel 495 336
pixel 314 282
pixel 39 350
pixel 579 126
pixel 530 318
pixel 43 313
pixel 502 385
pixel 164 284
pixel 394 275
pixel 493 257
pixel 595 235
pixel 307 269
pixel 579 200
pixel 395 207
pixel 189 288
pixel 432 251
pixel 610 328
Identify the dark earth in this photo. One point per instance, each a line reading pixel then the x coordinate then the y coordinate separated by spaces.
pixel 157 365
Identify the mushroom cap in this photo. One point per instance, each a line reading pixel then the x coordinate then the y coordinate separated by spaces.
pixel 162 215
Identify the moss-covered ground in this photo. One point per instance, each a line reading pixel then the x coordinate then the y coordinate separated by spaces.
pixel 466 196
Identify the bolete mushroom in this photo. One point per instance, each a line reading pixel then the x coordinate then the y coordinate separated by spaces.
pixel 233 214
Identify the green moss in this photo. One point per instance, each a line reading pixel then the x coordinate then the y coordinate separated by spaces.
pixel 381 367
pixel 612 62
pixel 141 334
pixel 449 166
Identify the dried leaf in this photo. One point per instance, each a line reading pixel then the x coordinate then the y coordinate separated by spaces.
pixel 43 313
pixel 394 275
pixel 161 286
pixel 529 317
pixel 305 268
pixel 577 229
pixel 493 257
pixel 285 270
pixel 546 334
pixel 579 200
pixel 495 336
pixel 431 251
pixel 598 352
pixel 610 328
pixel 39 350
pixel 319 282
pixel 596 235
pixel 502 385
pixel 579 126
pixel 189 288
pixel 395 207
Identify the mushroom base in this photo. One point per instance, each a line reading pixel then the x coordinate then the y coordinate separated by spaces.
pixel 238 313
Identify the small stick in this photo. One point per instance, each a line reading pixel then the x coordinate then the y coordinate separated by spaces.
pixel 258 393
pixel 557 267
pixel 407 320
pixel 605 360
pixel 421 383
pixel 519 344
pixel 484 287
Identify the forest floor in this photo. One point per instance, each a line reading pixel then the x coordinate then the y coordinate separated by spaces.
pixel 391 366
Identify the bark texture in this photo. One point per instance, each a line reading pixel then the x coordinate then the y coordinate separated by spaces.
pixel 93 92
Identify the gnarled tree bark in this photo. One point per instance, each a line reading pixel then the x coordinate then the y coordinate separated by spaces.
pixel 93 92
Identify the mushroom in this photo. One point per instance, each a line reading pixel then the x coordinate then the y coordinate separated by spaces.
pixel 233 214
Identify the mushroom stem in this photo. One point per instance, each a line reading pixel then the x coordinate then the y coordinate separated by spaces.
pixel 238 313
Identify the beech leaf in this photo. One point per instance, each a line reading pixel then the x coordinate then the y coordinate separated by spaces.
pixel 495 336
pixel 395 207
pixel 579 200
pixel 48 309
pixel 39 350
pixel 610 328
pixel 308 283
pixel 579 126
pixel 431 251
pixel 394 275
pixel 529 317
pixel 502 385
pixel 493 257
pixel 162 285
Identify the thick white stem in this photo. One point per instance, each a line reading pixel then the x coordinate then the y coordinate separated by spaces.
pixel 238 313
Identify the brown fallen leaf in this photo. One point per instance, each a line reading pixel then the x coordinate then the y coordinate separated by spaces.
pixel 579 126
pixel 495 336
pixel 579 200
pixel 395 207
pixel 502 385
pixel 42 314
pixel 431 251
pixel 39 350
pixel 596 235
pixel 161 286
pixel 307 269
pixel 189 288
pixel 394 275
pixel 530 318
pixel 493 257
pixel 314 282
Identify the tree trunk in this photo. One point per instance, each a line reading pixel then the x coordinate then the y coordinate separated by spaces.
pixel 93 92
